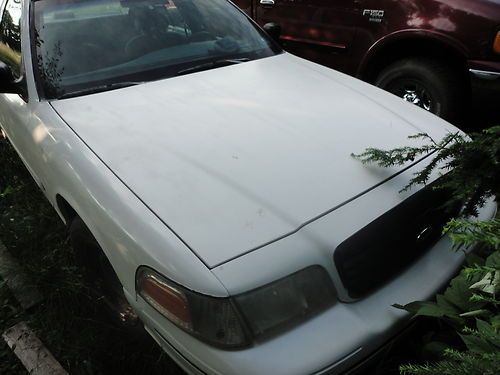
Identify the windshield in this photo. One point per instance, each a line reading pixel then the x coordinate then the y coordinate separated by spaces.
pixel 83 46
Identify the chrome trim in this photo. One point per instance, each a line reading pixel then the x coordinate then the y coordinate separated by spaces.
pixel 484 74
pixel 267 2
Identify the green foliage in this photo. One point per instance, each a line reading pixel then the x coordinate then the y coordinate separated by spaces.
pixel 458 363
pixel 473 293
pixel 470 169
pixel 482 356
pixel 466 233
pixel 471 306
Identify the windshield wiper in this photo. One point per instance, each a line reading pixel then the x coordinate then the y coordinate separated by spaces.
pixel 96 89
pixel 212 65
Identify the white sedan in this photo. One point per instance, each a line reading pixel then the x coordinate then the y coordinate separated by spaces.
pixel 207 182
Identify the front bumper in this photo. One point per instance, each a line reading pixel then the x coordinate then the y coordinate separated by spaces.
pixel 485 90
pixel 485 74
pixel 485 78
pixel 485 70
pixel 332 342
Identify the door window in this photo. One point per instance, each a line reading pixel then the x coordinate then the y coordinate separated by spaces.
pixel 10 36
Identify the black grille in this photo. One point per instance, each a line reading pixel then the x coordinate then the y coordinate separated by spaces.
pixel 386 246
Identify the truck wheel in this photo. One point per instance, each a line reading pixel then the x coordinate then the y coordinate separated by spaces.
pixel 101 277
pixel 429 84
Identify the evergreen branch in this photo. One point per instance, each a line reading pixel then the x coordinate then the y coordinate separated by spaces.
pixel 458 363
pixel 467 233
pixel 470 167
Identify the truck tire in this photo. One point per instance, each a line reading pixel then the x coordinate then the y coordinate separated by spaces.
pixel 430 84
pixel 101 277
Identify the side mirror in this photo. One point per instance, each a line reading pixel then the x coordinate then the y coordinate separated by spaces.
pixel 273 30
pixel 8 84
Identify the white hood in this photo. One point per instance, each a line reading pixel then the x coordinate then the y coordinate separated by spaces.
pixel 236 157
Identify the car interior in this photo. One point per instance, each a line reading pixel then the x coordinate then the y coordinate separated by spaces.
pixel 116 38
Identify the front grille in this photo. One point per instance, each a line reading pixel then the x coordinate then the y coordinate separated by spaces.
pixel 385 247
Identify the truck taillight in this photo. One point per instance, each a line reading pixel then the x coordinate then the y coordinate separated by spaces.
pixel 496 43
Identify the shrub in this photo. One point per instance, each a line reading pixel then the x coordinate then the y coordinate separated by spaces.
pixel 470 169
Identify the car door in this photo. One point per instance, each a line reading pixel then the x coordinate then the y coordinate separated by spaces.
pixel 15 114
pixel 319 30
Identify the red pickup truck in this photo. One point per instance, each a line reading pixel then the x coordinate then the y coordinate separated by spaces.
pixel 425 51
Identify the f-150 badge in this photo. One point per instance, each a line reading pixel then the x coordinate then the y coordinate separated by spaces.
pixel 374 15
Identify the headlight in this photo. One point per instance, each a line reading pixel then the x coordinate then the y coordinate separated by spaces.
pixel 287 301
pixel 230 322
pixel 211 319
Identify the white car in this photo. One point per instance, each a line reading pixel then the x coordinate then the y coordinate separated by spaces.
pixel 208 175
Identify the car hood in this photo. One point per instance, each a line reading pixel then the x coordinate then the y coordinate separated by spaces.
pixel 234 158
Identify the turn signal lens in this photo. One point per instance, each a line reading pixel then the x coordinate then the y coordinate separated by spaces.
pixel 267 310
pixel 496 43
pixel 169 301
pixel 213 320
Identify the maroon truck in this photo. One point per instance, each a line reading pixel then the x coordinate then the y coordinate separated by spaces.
pixel 425 51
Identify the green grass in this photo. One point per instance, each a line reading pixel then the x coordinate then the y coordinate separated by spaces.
pixel 69 321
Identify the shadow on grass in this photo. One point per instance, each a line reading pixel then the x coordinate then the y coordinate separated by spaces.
pixel 69 322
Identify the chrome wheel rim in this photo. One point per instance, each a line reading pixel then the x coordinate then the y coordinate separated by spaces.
pixel 413 92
